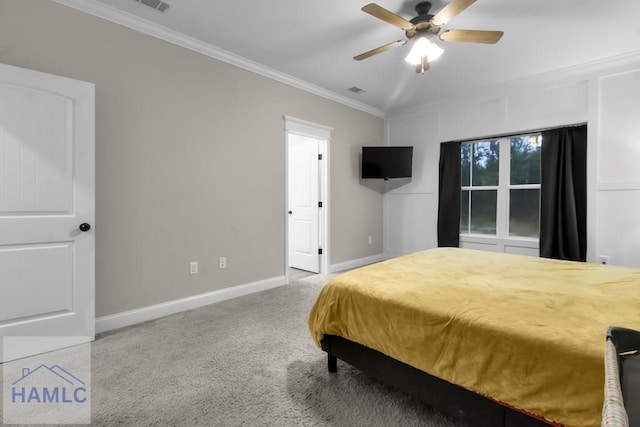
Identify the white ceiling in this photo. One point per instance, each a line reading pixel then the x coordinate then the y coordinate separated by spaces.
pixel 315 41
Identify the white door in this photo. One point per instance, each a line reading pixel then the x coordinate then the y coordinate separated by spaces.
pixel 46 194
pixel 304 211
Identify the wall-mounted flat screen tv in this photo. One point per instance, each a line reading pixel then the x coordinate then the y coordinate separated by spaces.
pixel 384 162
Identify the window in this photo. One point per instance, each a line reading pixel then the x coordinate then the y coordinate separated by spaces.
pixel 500 194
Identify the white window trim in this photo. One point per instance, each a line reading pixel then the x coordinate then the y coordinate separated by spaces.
pixel 501 240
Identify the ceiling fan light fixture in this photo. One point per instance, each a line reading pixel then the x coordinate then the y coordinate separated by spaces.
pixel 421 48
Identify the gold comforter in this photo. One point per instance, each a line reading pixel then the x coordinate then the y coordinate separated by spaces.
pixel 529 332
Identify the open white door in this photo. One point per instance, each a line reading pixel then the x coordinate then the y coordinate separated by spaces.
pixel 304 212
pixel 46 209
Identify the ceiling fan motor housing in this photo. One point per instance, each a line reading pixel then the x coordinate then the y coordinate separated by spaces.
pixel 422 22
pixel 423 7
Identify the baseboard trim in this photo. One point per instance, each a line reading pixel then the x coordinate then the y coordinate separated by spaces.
pixel 139 315
pixel 132 317
pixel 348 265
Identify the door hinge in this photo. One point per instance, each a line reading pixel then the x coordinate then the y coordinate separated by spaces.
pixel 319 204
pixel 319 251
pixel 319 156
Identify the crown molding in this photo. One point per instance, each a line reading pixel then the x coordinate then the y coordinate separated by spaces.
pixel 109 13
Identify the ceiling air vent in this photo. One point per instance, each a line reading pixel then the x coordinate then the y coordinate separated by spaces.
pixel 158 5
pixel 355 89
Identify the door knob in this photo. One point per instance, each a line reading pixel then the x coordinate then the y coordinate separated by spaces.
pixel 290 212
pixel 84 227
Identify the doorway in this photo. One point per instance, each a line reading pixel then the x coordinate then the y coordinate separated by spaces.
pixel 307 199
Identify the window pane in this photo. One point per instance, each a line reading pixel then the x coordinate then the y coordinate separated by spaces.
pixel 524 213
pixel 464 211
pixel 483 211
pixel 465 160
pixel 525 159
pixel 484 169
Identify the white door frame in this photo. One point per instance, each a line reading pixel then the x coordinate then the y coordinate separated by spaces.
pixel 323 134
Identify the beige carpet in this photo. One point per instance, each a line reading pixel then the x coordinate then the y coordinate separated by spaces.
pixel 244 362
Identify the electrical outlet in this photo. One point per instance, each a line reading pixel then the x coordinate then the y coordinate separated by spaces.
pixel 604 259
pixel 193 267
pixel 222 262
pixel 370 240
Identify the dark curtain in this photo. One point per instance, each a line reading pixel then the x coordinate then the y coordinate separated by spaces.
pixel 449 195
pixel 563 194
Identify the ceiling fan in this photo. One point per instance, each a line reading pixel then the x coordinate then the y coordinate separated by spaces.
pixel 426 27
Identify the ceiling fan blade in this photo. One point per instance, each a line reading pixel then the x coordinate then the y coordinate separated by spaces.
pixel 450 10
pixel 471 36
pixel 387 16
pixel 422 67
pixel 378 50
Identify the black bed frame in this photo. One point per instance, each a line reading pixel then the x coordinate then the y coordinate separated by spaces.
pixel 471 408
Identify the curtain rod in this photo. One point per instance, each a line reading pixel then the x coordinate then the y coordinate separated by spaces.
pixel 462 141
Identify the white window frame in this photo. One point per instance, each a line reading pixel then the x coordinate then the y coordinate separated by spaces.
pixel 501 241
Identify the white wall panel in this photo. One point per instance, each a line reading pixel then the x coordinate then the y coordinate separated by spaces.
pixel 547 107
pixel 521 250
pixel 618 230
pixel 618 174
pixel 619 128
pixel 472 120
pixel 412 223
pixel 492 244
pixel 488 247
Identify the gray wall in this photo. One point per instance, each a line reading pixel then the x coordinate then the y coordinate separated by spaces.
pixel 189 158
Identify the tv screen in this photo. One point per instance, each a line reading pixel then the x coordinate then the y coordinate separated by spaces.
pixel 386 162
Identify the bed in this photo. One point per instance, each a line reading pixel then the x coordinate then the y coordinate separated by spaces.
pixel 494 339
